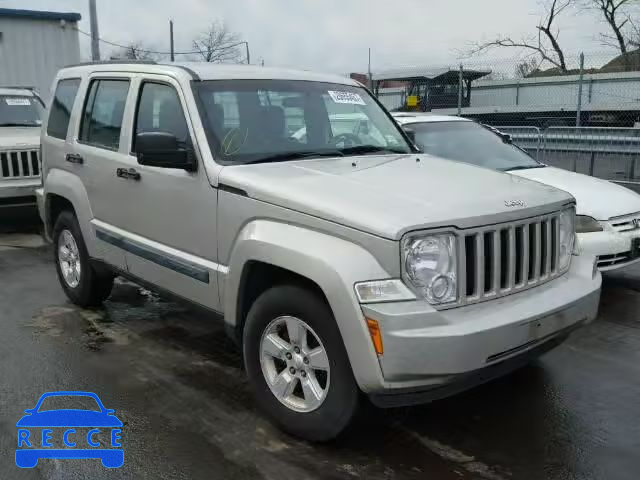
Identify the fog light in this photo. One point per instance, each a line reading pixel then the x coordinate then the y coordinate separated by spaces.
pixel 377 291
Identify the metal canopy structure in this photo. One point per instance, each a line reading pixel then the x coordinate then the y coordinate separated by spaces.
pixel 439 75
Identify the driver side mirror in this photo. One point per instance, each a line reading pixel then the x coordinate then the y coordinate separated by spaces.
pixel 506 138
pixel 411 134
pixel 161 149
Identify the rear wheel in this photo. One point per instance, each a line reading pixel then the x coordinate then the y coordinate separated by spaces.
pixel 81 282
pixel 297 363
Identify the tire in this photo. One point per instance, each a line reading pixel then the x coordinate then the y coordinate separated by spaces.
pixel 341 395
pixel 89 288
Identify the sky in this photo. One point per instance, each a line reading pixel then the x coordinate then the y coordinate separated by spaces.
pixel 331 35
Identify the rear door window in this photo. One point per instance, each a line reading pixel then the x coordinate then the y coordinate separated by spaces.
pixel 61 107
pixel 103 112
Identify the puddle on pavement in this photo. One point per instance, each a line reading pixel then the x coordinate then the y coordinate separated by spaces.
pixel 185 349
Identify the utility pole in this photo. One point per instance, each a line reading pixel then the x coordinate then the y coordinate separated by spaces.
pixel 579 109
pixel 369 71
pixel 95 35
pixel 248 57
pixel 460 80
pixel 173 58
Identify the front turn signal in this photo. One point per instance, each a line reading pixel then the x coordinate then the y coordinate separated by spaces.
pixel 376 335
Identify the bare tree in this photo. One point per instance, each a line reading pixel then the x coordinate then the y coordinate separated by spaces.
pixel 527 67
pixel 218 44
pixel 544 44
pixel 617 15
pixel 634 37
pixel 134 51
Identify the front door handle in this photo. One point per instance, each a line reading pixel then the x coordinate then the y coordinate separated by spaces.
pixel 74 158
pixel 128 173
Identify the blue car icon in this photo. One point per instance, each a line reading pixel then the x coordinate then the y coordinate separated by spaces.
pixel 58 424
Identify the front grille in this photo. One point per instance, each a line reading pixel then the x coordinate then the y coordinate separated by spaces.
pixel 19 164
pixel 614 260
pixel 503 259
pixel 626 223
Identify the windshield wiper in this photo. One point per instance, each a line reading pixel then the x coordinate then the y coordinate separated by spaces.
pixel 284 156
pixel 17 124
pixel 356 150
pixel 361 149
pixel 523 167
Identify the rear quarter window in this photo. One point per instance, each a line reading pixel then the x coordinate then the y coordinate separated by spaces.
pixel 60 113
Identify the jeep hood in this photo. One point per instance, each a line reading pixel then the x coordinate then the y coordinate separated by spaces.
pixel 19 137
pixel 595 197
pixel 388 195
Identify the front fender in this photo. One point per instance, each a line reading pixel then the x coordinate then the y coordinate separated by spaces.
pixel 334 264
pixel 69 186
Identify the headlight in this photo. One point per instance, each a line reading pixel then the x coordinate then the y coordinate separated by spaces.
pixel 585 224
pixel 567 237
pixel 430 265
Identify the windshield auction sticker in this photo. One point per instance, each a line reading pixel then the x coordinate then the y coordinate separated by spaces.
pixel 14 102
pixel 55 429
pixel 346 97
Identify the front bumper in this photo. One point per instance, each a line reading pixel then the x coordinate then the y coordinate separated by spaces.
pixel 612 249
pixel 425 348
pixel 18 193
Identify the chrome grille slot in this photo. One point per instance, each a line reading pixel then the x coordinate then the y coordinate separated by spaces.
pixel 626 223
pixel 503 259
pixel 19 164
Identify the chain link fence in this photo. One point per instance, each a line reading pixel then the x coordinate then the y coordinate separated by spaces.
pixel 593 90
pixel 609 153
pixel 584 118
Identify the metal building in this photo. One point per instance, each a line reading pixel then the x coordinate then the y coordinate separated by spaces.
pixel 34 45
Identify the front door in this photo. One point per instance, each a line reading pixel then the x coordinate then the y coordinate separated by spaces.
pixel 169 227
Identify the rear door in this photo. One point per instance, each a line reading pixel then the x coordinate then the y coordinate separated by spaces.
pixel 96 153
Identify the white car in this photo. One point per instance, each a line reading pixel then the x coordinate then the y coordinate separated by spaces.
pixel 20 112
pixel 608 221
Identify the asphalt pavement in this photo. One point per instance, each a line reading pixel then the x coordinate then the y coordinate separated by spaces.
pixel 177 384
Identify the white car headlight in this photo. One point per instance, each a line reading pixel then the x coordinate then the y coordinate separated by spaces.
pixel 586 224
pixel 567 237
pixel 430 266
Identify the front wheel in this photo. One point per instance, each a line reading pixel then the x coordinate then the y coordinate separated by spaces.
pixel 81 282
pixel 297 364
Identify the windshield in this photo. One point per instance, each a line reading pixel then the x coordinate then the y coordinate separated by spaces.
pixel 19 111
pixel 470 142
pixel 250 121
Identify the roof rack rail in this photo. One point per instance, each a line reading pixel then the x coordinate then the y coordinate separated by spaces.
pixel 114 62
pixel 18 87
pixel 193 74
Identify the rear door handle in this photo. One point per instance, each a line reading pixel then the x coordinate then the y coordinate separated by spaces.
pixel 128 173
pixel 74 158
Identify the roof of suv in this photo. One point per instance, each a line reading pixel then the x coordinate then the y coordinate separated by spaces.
pixel 419 117
pixel 209 71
